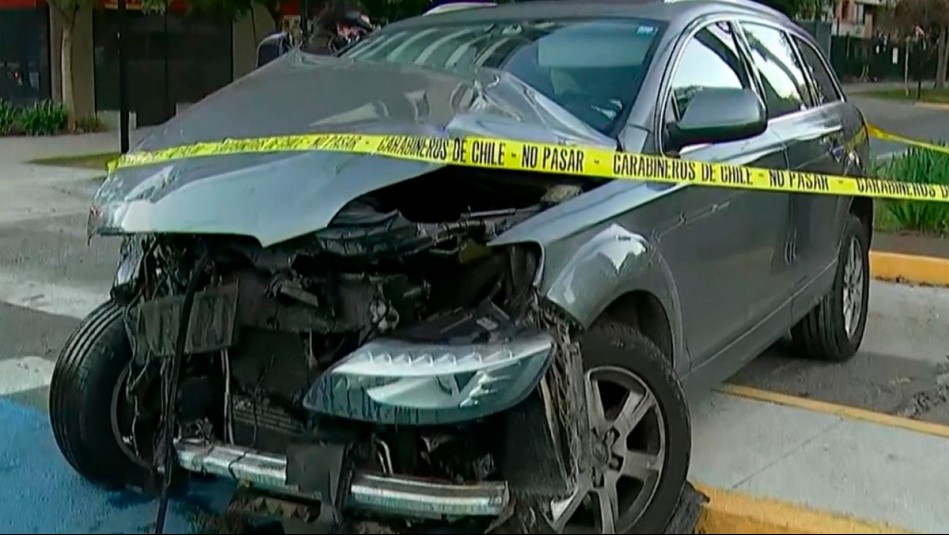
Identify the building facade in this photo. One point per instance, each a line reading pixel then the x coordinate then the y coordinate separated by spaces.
pixel 856 18
pixel 174 59
pixel 24 51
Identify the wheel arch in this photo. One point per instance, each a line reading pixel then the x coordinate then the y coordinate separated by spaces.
pixel 621 275
pixel 643 311
pixel 863 208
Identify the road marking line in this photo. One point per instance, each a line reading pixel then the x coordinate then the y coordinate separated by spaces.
pixel 71 301
pixel 24 373
pixel 843 411
pixel 736 512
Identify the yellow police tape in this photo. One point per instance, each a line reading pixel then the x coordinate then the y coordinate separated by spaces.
pixel 552 158
pixel 873 131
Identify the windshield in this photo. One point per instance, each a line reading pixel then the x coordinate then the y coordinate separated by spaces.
pixel 593 68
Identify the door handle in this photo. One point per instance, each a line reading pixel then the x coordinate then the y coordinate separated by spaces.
pixel 839 153
pixel 837 149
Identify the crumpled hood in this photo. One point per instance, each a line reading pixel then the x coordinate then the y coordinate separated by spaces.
pixel 279 196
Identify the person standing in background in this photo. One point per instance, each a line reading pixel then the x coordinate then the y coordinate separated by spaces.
pixel 338 24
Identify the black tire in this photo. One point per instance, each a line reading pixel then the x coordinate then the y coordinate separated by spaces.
pixel 822 334
pixel 609 343
pixel 89 368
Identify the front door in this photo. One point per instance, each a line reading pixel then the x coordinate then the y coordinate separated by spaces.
pixel 727 251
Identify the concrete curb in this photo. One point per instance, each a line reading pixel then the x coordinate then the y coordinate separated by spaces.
pixel 933 105
pixel 735 512
pixel 898 267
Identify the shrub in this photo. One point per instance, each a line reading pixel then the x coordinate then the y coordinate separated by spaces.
pixel 8 117
pixel 43 119
pixel 918 165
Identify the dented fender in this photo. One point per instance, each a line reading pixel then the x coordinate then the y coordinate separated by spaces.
pixel 591 257
pixel 613 263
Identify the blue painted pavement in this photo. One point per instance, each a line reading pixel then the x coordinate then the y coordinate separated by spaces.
pixel 40 493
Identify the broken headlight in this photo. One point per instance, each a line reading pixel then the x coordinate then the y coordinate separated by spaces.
pixel 390 381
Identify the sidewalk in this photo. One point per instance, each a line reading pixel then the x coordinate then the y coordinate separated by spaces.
pixel 27 148
pixel 856 88
pixel 38 192
pixel 871 472
pixel 796 446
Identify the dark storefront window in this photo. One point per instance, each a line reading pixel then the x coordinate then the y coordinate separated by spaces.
pixel 24 55
pixel 197 51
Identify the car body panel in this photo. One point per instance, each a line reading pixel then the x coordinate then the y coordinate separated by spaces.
pixel 277 197
pixel 732 269
pixel 728 266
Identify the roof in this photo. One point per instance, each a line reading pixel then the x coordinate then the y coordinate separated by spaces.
pixel 663 10
pixel 457 5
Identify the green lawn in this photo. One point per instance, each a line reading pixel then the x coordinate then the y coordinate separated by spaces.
pixel 885 221
pixel 938 96
pixel 86 161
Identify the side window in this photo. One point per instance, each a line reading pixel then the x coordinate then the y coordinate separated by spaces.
pixel 709 60
pixel 826 88
pixel 785 84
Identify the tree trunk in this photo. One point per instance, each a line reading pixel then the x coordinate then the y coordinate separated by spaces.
pixel 69 94
pixel 942 54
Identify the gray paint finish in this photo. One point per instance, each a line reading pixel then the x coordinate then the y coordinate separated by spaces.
pixel 277 197
pixel 733 269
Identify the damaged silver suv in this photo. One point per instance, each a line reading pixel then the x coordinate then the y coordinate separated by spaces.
pixel 380 345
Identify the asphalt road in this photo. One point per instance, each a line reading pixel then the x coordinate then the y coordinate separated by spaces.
pixel 49 275
pixel 916 122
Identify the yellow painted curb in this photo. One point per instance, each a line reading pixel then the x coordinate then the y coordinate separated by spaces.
pixel 909 268
pixel 843 411
pixel 736 512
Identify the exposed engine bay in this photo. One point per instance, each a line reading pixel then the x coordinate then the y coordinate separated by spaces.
pixel 390 370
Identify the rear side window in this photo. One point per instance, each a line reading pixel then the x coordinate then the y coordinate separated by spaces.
pixel 785 84
pixel 826 88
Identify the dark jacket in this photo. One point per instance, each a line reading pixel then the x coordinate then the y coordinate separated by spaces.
pixel 323 43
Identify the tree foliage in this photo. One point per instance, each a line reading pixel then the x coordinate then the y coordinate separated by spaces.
pixel 800 9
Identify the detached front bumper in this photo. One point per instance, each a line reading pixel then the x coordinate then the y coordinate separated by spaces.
pixel 375 493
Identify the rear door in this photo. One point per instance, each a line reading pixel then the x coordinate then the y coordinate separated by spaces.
pixel 726 251
pixel 843 147
pixel 816 141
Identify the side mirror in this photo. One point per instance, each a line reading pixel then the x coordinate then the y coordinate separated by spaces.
pixel 719 115
pixel 272 47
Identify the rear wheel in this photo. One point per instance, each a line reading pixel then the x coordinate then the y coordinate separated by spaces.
pixel 834 329
pixel 642 437
pixel 99 431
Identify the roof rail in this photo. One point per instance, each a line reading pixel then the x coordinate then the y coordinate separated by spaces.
pixel 457 6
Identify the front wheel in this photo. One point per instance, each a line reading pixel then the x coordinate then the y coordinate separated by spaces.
pixel 642 437
pixel 92 419
pixel 834 329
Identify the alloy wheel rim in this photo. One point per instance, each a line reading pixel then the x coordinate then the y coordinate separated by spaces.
pixel 853 287
pixel 629 451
